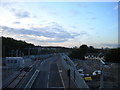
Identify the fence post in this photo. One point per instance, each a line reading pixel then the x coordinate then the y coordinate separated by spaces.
pixel 74 75
pixel 68 74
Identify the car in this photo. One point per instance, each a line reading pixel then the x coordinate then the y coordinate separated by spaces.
pixel 84 75
pixel 97 72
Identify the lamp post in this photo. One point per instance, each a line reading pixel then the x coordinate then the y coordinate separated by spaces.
pixel 102 73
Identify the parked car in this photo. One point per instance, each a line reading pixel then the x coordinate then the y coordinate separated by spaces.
pixel 84 75
pixel 97 72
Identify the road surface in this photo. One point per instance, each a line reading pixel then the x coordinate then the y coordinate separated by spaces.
pixel 49 76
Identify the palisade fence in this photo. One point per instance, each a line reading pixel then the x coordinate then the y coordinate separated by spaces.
pixel 74 74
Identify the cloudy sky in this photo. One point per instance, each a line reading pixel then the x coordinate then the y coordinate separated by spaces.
pixel 66 24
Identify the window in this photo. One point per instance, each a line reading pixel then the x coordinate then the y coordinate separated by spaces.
pixel 11 61
pixel 8 61
pixel 15 61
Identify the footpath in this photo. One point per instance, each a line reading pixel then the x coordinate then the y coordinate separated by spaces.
pixel 65 77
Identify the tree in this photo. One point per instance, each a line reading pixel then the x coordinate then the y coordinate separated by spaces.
pixel 80 52
pixel 113 55
pixel 9 45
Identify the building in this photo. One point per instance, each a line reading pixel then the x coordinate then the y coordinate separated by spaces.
pixel 94 56
pixel 14 61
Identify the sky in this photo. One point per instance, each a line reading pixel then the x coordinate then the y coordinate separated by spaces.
pixel 65 24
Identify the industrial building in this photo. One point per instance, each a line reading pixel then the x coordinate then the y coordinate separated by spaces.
pixel 14 61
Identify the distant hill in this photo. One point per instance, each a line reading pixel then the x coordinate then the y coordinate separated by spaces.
pixel 11 47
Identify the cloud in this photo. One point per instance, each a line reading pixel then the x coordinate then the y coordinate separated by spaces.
pixel 82 6
pixel 16 22
pixel 92 28
pixel 75 12
pixel 20 13
pixel 111 45
pixel 74 27
pixel 16 8
pixel 91 13
pixel 116 7
pixel 93 18
pixel 53 33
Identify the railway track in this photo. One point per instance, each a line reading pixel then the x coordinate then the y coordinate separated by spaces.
pixel 16 81
pixel 18 78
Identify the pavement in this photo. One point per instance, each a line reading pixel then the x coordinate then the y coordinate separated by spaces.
pixel 65 78
pixel 52 75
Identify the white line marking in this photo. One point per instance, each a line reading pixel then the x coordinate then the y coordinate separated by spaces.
pixel 41 63
pixel 62 80
pixel 48 80
pixel 56 87
pixel 61 77
pixel 31 79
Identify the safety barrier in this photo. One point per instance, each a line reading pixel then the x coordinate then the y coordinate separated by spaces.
pixel 68 64
pixel 30 82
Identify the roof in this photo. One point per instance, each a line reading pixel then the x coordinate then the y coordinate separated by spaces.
pixel 95 54
pixel 11 58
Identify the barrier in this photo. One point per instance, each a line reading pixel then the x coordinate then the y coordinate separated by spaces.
pixel 68 64
pixel 30 82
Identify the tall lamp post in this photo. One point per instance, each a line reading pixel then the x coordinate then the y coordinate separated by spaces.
pixel 102 73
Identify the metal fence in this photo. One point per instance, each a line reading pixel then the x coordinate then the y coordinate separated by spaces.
pixel 68 64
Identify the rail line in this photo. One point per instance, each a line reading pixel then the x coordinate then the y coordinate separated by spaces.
pixel 18 78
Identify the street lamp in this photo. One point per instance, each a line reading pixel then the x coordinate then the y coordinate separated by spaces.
pixel 102 73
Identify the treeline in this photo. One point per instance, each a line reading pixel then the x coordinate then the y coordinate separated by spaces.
pixel 111 55
pixel 12 47
pixel 79 53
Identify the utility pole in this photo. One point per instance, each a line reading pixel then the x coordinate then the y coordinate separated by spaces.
pixel 4 51
pixel 28 52
pixel 101 79
pixel 74 75
pixel 12 52
pixel 102 73
pixel 68 74
pixel 20 53
pixel 16 53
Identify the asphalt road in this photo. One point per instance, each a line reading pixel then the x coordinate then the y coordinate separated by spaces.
pixel 49 76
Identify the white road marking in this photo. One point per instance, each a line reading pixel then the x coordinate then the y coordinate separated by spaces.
pixel 60 71
pixel 41 63
pixel 31 79
pixel 48 80
pixel 56 87
pixel 62 79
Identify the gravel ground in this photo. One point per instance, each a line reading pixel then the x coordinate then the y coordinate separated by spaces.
pixel 110 72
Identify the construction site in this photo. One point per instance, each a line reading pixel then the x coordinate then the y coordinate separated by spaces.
pixel 97 75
